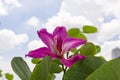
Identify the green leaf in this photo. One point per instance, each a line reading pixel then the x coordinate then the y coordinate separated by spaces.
pixel 73 50
pixel 35 60
pixel 55 68
pixel 73 32
pixel 108 71
pixel 98 49
pixel 89 29
pixel 0 73
pixel 57 61
pixel 21 68
pixel 42 69
pixel 83 68
pixel 82 36
pixel 9 76
pixel 88 50
pixel 51 77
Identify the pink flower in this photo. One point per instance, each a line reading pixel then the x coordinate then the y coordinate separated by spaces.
pixel 58 44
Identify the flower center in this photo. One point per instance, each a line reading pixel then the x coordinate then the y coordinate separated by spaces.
pixel 58 46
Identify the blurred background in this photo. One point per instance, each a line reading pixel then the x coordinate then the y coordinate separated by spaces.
pixel 20 20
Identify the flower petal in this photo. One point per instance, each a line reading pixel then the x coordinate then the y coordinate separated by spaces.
pixel 46 37
pixel 61 32
pixel 40 53
pixel 70 43
pixel 69 62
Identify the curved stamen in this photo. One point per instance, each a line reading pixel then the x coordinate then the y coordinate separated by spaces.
pixel 57 47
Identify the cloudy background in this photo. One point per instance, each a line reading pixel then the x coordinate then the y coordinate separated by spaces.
pixel 20 19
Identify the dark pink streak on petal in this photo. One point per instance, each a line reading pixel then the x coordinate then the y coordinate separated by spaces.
pixel 46 37
pixel 60 32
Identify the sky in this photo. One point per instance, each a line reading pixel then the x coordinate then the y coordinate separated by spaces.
pixel 20 20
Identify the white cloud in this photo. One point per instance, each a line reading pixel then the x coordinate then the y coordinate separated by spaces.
pixel 109 30
pixel 79 12
pixel 13 3
pixel 8 5
pixel 91 9
pixel 3 9
pixel 87 8
pixel 107 48
pixel 76 14
pixel 119 36
pixel 1 57
pixel 106 31
pixel 35 44
pixel 9 40
pixel 68 20
pixel 110 6
pixel 33 21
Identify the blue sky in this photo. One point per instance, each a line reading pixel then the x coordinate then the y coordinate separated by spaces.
pixel 43 9
pixel 16 19
pixel 20 20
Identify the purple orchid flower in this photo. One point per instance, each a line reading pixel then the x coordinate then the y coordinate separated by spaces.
pixel 58 44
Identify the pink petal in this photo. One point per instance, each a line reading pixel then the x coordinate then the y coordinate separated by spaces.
pixel 70 43
pixel 46 37
pixel 40 53
pixel 69 62
pixel 61 32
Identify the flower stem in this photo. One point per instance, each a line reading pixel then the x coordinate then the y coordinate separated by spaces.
pixel 65 68
pixel 77 52
pixel 64 71
pixel 67 55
